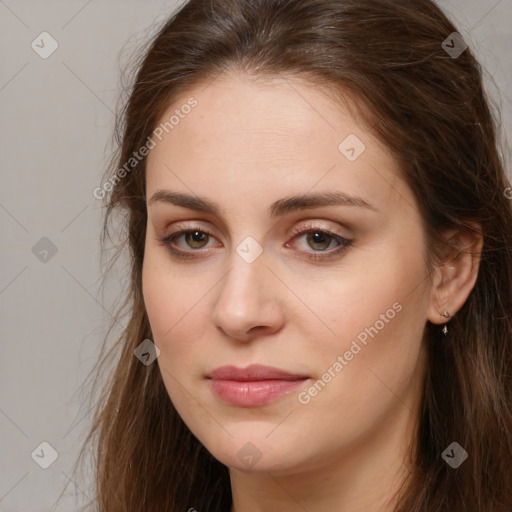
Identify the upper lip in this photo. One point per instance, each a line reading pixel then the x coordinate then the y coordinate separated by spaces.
pixel 253 372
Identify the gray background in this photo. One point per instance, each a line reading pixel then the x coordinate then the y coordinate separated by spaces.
pixel 57 120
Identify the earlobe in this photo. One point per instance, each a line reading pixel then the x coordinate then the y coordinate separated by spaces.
pixel 457 275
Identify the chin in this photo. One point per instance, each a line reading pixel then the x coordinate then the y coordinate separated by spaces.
pixel 254 451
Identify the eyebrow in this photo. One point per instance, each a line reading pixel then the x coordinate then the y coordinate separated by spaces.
pixel 278 208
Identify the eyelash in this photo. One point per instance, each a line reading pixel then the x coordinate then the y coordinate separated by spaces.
pixel 311 228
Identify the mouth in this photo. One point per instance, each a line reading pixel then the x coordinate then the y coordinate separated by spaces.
pixel 254 385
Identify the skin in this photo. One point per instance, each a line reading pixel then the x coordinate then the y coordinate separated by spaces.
pixel 244 146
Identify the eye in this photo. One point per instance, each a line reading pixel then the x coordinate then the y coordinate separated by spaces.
pixel 321 239
pixel 193 236
pixel 196 238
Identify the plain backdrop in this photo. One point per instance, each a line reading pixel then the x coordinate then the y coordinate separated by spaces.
pixel 57 118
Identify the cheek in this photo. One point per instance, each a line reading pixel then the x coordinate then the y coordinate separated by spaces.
pixel 378 321
pixel 353 300
pixel 170 308
pixel 157 301
pixel 176 304
pixel 373 314
pixel 169 301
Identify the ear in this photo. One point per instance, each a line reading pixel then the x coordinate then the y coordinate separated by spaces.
pixel 456 274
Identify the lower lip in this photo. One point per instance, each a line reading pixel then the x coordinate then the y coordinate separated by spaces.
pixel 252 393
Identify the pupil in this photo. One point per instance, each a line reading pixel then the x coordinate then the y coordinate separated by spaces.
pixel 319 237
pixel 197 236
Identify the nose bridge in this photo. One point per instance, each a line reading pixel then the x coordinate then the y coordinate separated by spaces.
pixel 242 280
pixel 247 298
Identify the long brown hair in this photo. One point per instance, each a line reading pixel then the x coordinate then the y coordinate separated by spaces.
pixel 430 109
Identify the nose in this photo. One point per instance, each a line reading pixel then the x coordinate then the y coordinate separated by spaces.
pixel 249 305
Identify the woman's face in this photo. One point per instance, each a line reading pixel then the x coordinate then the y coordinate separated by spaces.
pixel 278 270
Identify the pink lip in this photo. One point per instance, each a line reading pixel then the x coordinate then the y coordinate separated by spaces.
pixel 254 385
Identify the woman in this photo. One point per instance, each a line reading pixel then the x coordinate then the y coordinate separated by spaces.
pixel 320 306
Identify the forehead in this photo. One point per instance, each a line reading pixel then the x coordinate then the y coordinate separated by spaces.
pixel 279 135
pixel 281 109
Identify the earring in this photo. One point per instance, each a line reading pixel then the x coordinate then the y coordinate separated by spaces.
pixel 445 328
